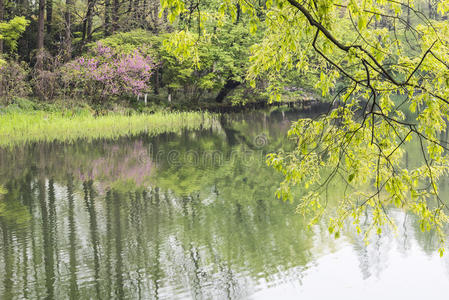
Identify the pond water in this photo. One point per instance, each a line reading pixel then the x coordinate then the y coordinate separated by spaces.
pixel 189 215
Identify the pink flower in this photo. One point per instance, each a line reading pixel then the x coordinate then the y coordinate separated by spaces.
pixel 116 74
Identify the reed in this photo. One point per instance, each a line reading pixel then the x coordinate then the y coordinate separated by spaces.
pixel 25 127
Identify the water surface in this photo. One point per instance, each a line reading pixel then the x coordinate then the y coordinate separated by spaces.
pixel 189 215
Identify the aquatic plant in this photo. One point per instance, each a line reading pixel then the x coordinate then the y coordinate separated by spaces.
pixel 39 126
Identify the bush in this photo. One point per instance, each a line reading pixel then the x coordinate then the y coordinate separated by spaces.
pixel 45 79
pixel 13 80
pixel 104 72
pixel 128 42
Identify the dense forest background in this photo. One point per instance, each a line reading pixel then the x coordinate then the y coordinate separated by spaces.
pixel 109 51
pixel 106 51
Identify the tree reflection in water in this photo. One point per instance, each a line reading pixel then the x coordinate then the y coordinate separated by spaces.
pixel 116 219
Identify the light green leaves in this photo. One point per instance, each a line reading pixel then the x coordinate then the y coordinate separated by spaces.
pixel 327 82
pixel 11 31
pixel 183 45
pixel 173 7
pixel 388 82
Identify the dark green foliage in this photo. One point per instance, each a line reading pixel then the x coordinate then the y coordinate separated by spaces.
pixel 215 72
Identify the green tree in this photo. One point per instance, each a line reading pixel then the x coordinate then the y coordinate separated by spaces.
pixel 11 31
pixel 378 60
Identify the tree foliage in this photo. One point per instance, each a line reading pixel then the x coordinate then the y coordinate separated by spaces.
pixel 380 60
pixel 383 65
pixel 11 31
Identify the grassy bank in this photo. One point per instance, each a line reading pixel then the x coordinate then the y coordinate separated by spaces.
pixel 17 128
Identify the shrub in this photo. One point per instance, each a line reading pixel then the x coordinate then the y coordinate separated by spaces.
pixel 45 77
pixel 13 80
pixel 104 72
pixel 127 42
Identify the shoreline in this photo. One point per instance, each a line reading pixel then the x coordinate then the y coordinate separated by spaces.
pixel 20 128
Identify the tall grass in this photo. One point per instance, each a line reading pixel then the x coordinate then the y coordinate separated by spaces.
pixel 23 127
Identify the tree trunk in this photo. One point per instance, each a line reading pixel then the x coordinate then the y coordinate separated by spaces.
pixel 87 22
pixel 227 88
pixel 40 33
pixel 49 7
pixel 107 17
pixel 237 19
pixel 143 13
pixel 2 13
pixel 115 15
pixel 68 32
pixel 89 19
pixel 40 25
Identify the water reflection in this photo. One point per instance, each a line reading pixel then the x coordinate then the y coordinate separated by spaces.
pixel 125 220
